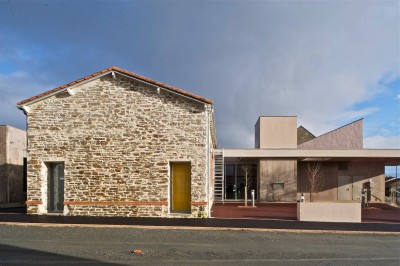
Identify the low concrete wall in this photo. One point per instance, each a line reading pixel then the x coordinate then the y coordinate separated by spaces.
pixel 348 212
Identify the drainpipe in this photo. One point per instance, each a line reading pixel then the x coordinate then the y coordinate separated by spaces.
pixel 7 161
pixel 208 162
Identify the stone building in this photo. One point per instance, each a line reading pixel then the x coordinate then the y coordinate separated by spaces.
pixel 12 149
pixel 118 144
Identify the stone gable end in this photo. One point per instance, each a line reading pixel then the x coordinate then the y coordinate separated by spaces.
pixel 117 138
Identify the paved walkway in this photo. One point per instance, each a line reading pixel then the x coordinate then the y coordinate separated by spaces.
pixel 282 224
pixel 376 212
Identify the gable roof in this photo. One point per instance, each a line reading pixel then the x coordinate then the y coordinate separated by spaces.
pixel 108 71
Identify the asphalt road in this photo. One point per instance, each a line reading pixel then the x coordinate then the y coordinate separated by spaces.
pixel 66 245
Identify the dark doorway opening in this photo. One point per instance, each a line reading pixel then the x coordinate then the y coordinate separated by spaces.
pixel 56 186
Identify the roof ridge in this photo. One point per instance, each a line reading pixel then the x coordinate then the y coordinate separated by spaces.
pixel 114 68
pixel 337 128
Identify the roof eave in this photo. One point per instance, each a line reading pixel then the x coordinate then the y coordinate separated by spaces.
pixel 58 90
pixel 105 72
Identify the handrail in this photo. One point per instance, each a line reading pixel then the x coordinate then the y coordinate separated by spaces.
pixel 393 197
pixel 380 194
pixel 395 191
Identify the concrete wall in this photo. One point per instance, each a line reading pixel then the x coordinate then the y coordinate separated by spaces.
pixel 357 171
pixel 272 173
pixel 347 137
pixel 329 212
pixel 3 165
pixel 257 134
pixel 276 132
pixel 3 144
pixel 117 139
pixel 12 148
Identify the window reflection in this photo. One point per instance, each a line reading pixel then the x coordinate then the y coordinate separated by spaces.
pixel 235 180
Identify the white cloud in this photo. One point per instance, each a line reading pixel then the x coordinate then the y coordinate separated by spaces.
pixel 355 114
pixel 316 61
pixel 319 60
pixel 14 88
pixel 382 142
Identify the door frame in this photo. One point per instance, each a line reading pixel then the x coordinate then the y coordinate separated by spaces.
pixel 236 170
pixel 357 188
pixel 171 184
pixel 348 186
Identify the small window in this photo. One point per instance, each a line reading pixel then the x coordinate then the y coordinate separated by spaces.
pixel 343 166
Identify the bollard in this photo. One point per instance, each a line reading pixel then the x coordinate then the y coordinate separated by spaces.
pixel 252 196
pixel 362 198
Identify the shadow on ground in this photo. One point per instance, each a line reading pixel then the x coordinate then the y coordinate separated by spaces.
pixel 10 255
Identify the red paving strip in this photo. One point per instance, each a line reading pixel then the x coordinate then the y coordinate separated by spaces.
pixel 376 212
pixel 284 211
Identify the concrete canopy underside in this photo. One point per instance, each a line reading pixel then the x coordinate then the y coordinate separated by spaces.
pixel 283 177
pixel 390 157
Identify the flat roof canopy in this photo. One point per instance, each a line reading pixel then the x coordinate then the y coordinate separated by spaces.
pixel 389 156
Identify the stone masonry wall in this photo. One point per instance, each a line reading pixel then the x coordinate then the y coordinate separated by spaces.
pixel 117 138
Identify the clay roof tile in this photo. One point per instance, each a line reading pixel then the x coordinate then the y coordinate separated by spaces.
pixel 123 71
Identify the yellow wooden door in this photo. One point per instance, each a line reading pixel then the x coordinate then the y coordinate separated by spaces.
pixel 181 187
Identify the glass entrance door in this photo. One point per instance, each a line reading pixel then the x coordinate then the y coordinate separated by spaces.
pixel 230 182
pixel 235 180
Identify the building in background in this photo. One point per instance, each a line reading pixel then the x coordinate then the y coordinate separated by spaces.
pixel 283 159
pixel 12 174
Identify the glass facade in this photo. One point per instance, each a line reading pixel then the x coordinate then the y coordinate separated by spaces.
pixel 235 180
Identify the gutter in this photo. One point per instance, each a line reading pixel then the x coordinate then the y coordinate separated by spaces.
pixel 208 162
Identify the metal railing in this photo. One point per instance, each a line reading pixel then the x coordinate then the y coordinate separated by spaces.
pixel 219 176
pixel 394 197
pixel 379 195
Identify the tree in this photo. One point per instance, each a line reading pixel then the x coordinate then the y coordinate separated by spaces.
pixel 246 173
pixel 315 178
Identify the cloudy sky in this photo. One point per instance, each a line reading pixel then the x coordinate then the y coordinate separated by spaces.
pixel 328 62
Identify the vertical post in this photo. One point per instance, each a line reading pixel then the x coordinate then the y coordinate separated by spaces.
pixel 396 192
pixel 8 184
pixel 252 196
pixel 362 198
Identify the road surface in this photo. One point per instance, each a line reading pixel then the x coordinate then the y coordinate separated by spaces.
pixel 88 245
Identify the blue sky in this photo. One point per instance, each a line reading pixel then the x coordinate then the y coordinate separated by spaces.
pixel 328 62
